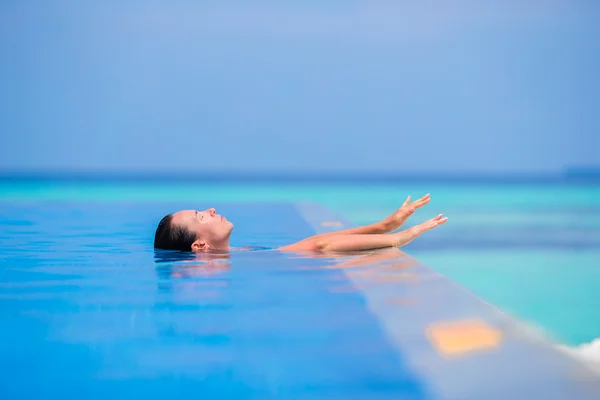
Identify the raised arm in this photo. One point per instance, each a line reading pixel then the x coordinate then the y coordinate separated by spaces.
pixel 344 242
pixel 389 224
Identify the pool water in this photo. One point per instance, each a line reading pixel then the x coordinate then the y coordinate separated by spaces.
pixel 82 290
pixel 88 308
pixel 531 248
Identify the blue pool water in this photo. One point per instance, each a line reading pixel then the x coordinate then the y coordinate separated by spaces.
pixel 88 308
pixel 80 284
pixel 533 248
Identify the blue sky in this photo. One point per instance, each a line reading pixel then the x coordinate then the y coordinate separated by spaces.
pixel 371 86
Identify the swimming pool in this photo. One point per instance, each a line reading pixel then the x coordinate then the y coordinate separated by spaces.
pixel 89 309
pixel 542 238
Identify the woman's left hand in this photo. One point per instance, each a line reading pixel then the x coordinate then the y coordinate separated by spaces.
pixel 399 217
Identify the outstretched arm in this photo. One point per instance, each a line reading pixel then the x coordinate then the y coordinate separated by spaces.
pixel 357 242
pixel 389 224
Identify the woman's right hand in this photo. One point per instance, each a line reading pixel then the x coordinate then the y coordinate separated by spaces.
pixel 408 235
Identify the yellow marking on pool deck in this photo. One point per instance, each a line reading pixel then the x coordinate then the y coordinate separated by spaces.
pixel 331 223
pixel 461 337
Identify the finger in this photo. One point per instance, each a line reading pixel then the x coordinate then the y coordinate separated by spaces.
pixel 406 201
pixel 438 221
pixel 422 201
pixel 422 198
pixel 433 222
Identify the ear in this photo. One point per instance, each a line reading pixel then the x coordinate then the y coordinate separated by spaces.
pixel 199 246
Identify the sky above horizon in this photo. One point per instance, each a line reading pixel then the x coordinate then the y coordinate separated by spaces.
pixel 388 86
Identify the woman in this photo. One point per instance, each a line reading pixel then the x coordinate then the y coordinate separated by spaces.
pixel 201 231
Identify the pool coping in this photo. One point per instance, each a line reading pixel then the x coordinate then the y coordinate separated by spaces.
pixel 461 345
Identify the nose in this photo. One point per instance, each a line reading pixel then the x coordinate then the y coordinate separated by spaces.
pixel 212 211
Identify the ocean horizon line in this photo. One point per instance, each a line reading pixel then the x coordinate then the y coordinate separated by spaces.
pixel 564 176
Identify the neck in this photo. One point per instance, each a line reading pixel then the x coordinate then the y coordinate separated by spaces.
pixel 221 245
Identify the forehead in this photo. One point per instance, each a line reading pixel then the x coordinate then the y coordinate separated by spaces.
pixel 182 216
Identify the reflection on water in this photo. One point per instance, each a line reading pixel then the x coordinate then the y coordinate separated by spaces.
pixel 369 267
pixel 176 264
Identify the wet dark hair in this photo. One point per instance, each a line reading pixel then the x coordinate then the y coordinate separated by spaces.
pixel 173 237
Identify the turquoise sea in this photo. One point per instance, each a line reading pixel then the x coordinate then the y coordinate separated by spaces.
pixel 530 248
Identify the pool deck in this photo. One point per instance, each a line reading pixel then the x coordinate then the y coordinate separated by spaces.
pixel 460 346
